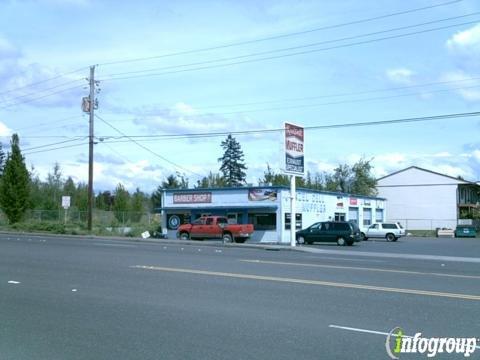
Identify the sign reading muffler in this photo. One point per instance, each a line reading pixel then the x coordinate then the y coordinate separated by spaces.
pixel 294 150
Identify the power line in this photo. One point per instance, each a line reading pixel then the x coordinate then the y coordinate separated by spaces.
pixel 56 143
pixel 295 47
pixel 343 94
pixel 48 123
pixel 44 81
pixel 39 97
pixel 314 127
pixel 56 148
pixel 303 106
pixel 274 37
pixel 124 158
pixel 340 102
pixel 39 91
pixel 147 149
pixel 281 56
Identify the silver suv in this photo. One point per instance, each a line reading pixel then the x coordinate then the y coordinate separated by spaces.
pixel 388 231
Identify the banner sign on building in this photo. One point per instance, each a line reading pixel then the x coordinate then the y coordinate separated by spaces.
pixel 262 195
pixel 294 150
pixel 192 198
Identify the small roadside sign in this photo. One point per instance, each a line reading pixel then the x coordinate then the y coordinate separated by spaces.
pixel 65 202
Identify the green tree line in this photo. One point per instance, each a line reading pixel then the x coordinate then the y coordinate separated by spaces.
pixel 22 190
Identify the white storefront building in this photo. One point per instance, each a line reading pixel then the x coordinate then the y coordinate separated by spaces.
pixel 268 209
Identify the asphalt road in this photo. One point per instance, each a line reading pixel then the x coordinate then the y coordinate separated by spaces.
pixel 66 298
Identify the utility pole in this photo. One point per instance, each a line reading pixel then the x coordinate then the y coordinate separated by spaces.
pixel 91 108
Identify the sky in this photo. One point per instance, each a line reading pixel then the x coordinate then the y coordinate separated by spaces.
pixel 167 70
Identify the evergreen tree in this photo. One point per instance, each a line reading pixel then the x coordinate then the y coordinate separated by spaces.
pixel 232 162
pixel 15 184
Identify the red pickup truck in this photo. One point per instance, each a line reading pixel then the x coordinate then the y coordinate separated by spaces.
pixel 215 227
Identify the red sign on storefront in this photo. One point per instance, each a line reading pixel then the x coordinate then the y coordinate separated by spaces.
pixel 192 198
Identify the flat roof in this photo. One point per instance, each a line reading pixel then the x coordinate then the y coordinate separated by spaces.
pixel 219 207
pixel 269 187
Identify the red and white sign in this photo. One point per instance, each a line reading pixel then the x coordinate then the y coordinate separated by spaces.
pixel 353 201
pixel 294 149
pixel 192 198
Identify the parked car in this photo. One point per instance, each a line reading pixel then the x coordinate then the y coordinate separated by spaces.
pixel 388 231
pixel 341 232
pixel 465 231
pixel 215 227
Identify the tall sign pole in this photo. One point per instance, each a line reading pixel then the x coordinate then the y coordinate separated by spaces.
pixel 294 165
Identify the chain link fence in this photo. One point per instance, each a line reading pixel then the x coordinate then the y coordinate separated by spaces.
pixel 75 221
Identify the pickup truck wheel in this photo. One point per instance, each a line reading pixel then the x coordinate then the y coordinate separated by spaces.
pixel 184 236
pixel 390 237
pixel 227 238
pixel 341 241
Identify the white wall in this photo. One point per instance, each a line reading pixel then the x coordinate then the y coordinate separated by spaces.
pixel 420 200
pixel 316 207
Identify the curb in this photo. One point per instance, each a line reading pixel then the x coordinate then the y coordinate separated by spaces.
pixel 219 243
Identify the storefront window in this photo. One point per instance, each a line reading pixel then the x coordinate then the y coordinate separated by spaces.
pixel 339 216
pixel 263 221
pixel 367 217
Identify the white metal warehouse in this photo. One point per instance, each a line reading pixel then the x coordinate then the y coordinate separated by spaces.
pixel 268 209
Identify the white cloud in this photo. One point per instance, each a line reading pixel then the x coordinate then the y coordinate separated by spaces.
pixel 17 77
pixel 5 130
pixel 465 41
pixel 402 76
pixel 7 50
pixel 465 85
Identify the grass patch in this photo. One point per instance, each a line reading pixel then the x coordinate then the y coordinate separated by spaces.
pixel 422 233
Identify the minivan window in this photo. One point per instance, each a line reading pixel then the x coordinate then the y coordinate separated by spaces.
pixel 340 226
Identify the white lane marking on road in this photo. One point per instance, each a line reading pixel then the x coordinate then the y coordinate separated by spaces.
pixel 218 251
pixel 348 328
pixel 392 255
pixel 347 259
pixel 311 282
pixel 340 267
pixel 13 282
pixel 74 290
pixel 115 245
pixel 361 330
